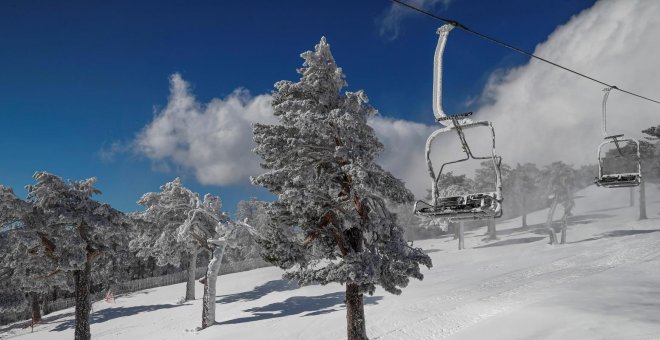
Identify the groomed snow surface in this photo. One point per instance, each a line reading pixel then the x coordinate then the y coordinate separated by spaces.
pixel 603 284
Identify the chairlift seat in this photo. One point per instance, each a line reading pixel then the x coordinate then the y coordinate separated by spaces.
pixel 622 180
pixel 632 179
pixel 464 207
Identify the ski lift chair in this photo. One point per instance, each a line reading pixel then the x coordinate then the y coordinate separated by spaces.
pixel 474 206
pixel 624 179
pixel 619 180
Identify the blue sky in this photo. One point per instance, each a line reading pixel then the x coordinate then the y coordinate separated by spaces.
pixel 77 76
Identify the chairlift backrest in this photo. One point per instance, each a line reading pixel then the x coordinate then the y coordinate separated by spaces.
pixel 464 207
pixel 624 179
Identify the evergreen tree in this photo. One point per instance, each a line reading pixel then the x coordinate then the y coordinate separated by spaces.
pixel 246 246
pixel 77 231
pixel 29 261
pixel 484 181
pixel 524 190
pixel 330 192
pixel 204 224
pixel 451 185
pixel 164 213
pixel 624 160
pixel 560 184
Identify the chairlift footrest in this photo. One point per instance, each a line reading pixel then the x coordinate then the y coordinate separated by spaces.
pixel 456 116
pixel 618 180
pixel 462 208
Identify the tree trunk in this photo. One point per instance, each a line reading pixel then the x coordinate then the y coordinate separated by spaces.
pixel 355 313
pixel 190 284
pixel 36 310
pixel 461 236
pixel 642 200
pixel 524 213
pixel 152 265
pixel 208 306
pixel 45 307
pixel 81 280
pixel 564 226
pixel 492 229
pixel 632 196
pixel 548 223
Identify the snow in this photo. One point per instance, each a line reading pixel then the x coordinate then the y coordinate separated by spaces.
pixel 603 284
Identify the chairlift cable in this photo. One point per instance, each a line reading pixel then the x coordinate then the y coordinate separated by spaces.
pixel 516 49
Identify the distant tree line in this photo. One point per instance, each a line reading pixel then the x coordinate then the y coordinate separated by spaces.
pixel 528 187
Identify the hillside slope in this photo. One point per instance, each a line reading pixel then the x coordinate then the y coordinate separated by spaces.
pixel 603 284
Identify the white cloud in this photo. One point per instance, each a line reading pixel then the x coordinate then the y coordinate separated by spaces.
pixel 390 21
pixel 404 150
pixel 213 140
pixel 542 113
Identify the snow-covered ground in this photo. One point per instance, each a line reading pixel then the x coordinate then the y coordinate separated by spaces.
pixel 603 284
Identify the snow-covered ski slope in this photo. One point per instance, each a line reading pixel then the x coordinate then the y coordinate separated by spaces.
pixel 603 284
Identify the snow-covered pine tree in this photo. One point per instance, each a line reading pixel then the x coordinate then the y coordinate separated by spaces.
pixel 524 189
pixel 560 184
pixel 245 244
pixel 77 230
pixel 204 224
pixel 29 263
pixel 650 164
pixel 451 185
pixel 614 163
pixel 484 180
pixel 164 213
pixel 330 191
pixel 459 185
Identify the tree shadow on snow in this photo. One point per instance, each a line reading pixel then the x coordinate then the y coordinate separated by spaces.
pixel 617 233
pixel 587 218
pixel 310 305
pixel 512 241
pixel 433 250
pixel 26 324
pixel 259 291
pixel 114 313
pixel 613 208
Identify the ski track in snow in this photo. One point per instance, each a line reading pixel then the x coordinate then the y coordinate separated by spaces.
pixel 473 304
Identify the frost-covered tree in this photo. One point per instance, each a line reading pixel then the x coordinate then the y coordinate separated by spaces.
pixel 164 213
pixel 457 190
pixel 330 191
pixel 524 182
pixel 214 232
pixel 484 181
pixel 245 246
pixel 23 259
pixel 652 136
pixel 560 184
pixel 30 263
pixel 455 185
pixel 625 160
pixel 204 224
pixel 415 227
pixel 77 231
